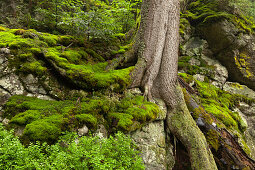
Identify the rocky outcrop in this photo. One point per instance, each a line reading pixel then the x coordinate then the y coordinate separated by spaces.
pixel 234 48
pixel 201 58
pixel 12 83
pixel 236 88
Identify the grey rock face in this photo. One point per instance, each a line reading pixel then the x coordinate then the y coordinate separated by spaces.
pixel 32 85
pixel 220 72
pixel 151 141
pixel 83 131
pixel 12 84
pixel 236 88
pixel 194 47
pixel 233 48
pixel 4 96
pixel 248 112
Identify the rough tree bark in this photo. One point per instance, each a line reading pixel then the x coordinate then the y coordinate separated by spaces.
pixel 157 47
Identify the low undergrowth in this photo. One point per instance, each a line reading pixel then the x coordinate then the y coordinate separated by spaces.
pixel 118 152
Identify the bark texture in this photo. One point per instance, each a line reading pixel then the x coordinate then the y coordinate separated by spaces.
pixel 157 47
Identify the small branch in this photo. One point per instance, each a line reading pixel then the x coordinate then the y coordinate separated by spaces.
pixel 67 47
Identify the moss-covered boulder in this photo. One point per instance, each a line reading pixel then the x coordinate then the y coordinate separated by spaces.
pixel 230 36
pixel 53 66
pixel 45 120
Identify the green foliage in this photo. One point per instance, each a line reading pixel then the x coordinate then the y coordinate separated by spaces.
pixel 87 119
pixel 118 152
pixel 95 19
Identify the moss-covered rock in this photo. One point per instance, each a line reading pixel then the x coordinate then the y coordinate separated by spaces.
pixel 43 54
pixel 229 34
pixel 44 120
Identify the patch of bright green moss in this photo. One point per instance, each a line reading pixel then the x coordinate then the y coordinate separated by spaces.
pixel 205 11
pixel 26 117
pixel 94 55
pixel 2 28
pixel 47 129
pixel 218 103
pixel 90 76
pixel 50 39
pixel 87 119
pixel 78 64
pixel 123 120
pixel 134 108
pixel 33 67
pixel 44 120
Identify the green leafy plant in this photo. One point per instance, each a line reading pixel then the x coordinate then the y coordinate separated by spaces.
pixel 118 152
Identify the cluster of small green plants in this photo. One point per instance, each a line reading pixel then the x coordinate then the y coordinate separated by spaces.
pixel 70 152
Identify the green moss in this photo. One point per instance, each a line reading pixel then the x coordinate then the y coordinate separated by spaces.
pixel 188 78
pixel 184 26
pixel 26 117
pixel 205 11
pixel 78 64
pixel 212 138
pixel 35 51
pixel 122 49
pixel 124 121
pixel 33 67
pixel 47 129
pixel 50 39
pixel 66 40
pixel 90 76
pixel 94 55
pixel 2 28
pixel 218 103
pixel 88 119
pixel 135 108
pixel 127 114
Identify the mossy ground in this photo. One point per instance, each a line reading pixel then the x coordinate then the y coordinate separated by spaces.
pixel 44 120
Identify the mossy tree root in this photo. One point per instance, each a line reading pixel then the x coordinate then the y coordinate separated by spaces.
pixel 223 144
pixel 182 125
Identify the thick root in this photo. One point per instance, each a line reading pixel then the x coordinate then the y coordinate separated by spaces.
pixel 182 125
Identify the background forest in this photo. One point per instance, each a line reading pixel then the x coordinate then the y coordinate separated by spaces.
pixel 92 36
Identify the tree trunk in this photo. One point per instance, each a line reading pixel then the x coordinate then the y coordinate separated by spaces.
pixel 157 47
